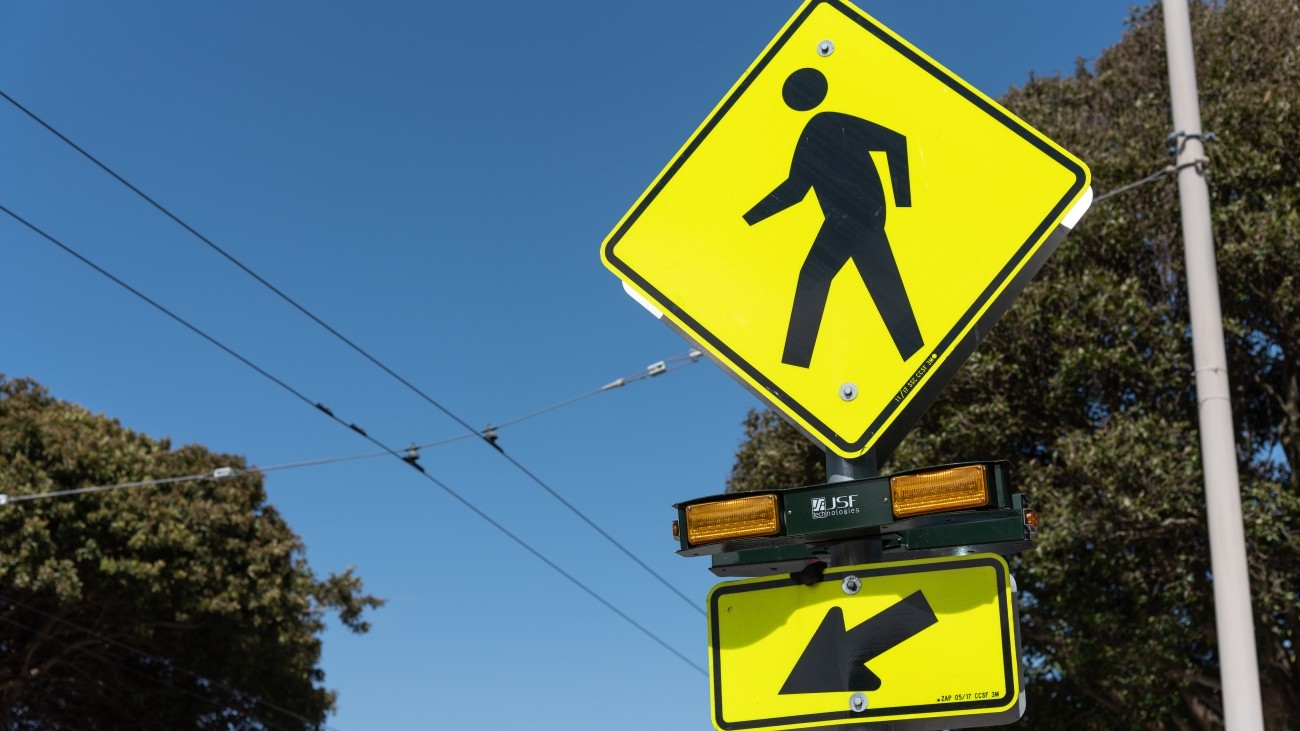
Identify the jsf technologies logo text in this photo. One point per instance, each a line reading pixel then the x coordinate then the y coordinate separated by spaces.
pixel 841 505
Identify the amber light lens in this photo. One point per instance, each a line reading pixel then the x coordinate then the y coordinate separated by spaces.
pixel 745 517
pixel 955 488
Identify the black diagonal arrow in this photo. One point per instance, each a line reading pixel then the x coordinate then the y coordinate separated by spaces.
pixel 836 658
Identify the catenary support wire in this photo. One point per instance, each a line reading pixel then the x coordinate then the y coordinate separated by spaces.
pixel 222 473
pixel 351 427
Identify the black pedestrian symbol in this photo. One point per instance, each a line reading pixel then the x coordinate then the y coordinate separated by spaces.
pixel 833 157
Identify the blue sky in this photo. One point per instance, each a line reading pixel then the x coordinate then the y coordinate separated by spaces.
pixel 434 181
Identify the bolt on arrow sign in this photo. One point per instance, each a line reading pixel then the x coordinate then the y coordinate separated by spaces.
pixel 836 658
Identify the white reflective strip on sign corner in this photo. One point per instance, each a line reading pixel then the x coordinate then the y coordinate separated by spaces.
pixel 642 301
pixel 1080 208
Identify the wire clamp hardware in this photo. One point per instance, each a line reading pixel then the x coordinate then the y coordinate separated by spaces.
pixel 1180 138
pixel 1200 163
pixel 491 436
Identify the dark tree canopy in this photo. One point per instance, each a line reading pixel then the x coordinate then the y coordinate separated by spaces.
pixel 1087 387
pixel 188 606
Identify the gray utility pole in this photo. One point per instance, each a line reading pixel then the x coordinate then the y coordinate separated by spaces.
pixel 1234 620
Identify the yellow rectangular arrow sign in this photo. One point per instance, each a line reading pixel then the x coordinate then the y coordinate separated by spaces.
pixel 900 641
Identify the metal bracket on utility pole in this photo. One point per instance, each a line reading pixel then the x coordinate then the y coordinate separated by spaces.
pixel 843 469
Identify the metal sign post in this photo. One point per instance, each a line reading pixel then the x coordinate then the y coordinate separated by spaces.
pixel 844 469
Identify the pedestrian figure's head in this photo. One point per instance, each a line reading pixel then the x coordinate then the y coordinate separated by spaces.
pixel 804 89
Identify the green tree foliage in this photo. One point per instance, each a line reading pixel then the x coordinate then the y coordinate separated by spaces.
pixel 1087 386
pixel 177 607
pixel 775 455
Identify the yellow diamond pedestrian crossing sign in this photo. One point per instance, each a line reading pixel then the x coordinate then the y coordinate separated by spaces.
pixel 846 226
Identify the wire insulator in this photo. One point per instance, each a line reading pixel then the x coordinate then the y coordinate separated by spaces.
pixel 491 436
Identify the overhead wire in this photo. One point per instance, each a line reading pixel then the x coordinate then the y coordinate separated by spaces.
pixel 167 662
pixel 490 441
pixel 1137 183
pixel 693 355
pixel 6 499
pixel 353 427
pixel 223 473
